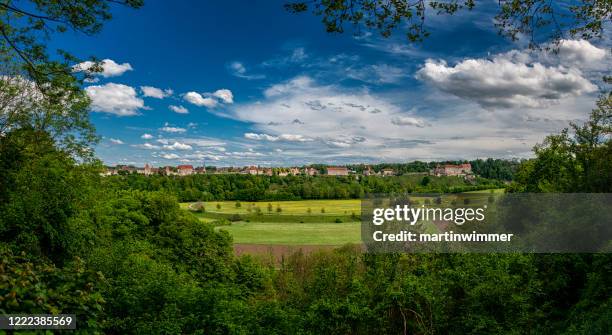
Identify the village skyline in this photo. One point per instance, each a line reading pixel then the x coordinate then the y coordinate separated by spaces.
pixel 440 169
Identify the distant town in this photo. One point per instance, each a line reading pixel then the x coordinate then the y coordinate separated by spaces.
pixel 460 170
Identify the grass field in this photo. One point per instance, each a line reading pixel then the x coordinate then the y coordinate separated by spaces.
pixel 294 233
pixel 317 207
pixel 306 222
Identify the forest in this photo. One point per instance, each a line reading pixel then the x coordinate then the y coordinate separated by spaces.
pixel 259 188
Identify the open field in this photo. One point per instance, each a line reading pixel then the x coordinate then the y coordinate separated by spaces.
pixel 302 207
pixel 294 233
pixel 303 223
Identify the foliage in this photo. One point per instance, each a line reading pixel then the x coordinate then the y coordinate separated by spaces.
pixel 576 161
pixel 122 255
pixel 31 285
pixel 539 20
pixel 273 188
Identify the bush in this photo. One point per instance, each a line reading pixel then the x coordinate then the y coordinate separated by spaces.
pixel 235 217
pixel 221 222
pixel 337 220
pixel 198 207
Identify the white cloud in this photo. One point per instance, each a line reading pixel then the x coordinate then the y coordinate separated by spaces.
pixel 225 95
pixel 169 129
pixel 354 125
pixel 115 99
pixel 239 70
pixel 146 136
pixel 170 156
pixel 205 142
pixel 178 109
pixel 295 84
pixel 109 68
pixel 505 83
pixel 198 100
pixel 210 100
pixel 178 146
pixel 580 51
pixel 281 137
pixel 115 141
pixel 147 146
pixel 154 92
pixel 408 121
pixel 260 137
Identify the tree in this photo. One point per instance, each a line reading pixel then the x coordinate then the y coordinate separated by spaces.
pixel 42 195
pixel 576 160
pixel 540 20
pixel 38 91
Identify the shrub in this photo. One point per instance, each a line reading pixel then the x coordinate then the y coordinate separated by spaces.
pixel 222 222
pixel 198 207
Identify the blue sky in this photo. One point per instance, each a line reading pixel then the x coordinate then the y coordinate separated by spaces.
pixel 246 83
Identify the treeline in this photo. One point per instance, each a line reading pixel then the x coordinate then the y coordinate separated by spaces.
pixel 490 168
pixel 255 188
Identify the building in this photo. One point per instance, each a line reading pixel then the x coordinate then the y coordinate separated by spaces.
pixel 452 170
pixel 147 170
pixel 169 170
pixel 126 169
pixel 185 170
pixel 388 172
pixel 109 171
pixel 200 170
pixel 337 171
pixel 252 170
pixel 294 171
pixel 311 171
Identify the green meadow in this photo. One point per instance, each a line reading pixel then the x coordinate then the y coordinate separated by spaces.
pixel 305 222
pixel 292 208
